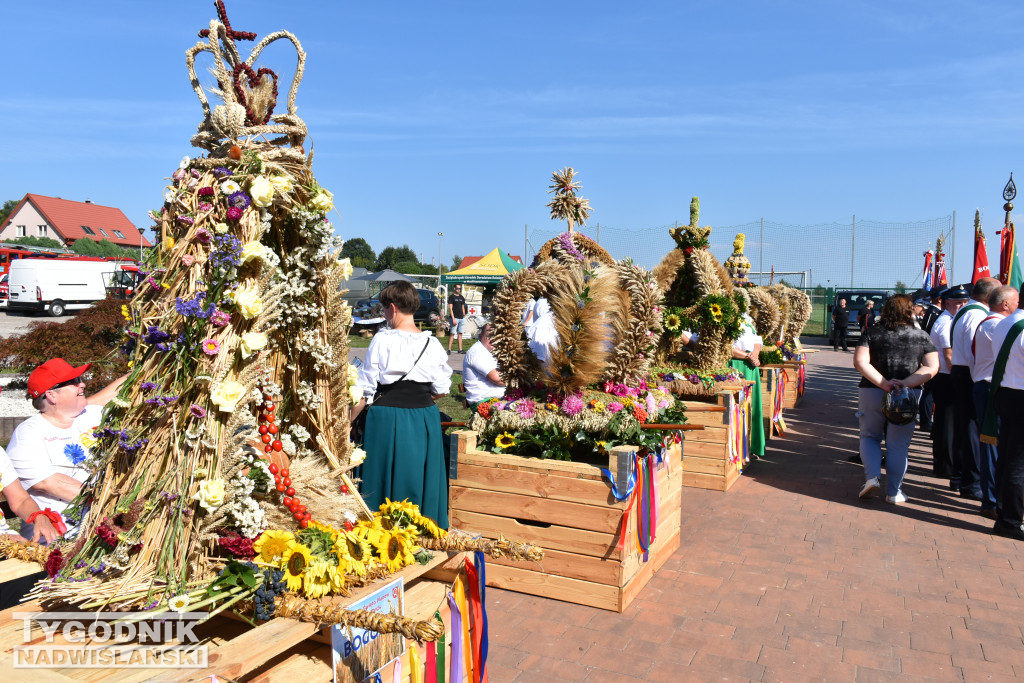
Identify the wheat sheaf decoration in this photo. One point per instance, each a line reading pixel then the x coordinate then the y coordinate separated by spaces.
pixel 566 204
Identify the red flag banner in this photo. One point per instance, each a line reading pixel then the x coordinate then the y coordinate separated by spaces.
pixel 981 268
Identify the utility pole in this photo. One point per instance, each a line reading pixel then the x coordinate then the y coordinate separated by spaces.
pixel 760 259
pixel 598 226
pixel 439 236
pixel 853 247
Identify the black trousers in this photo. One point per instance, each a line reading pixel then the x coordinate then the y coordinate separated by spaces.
pixel 11 592
pixel 966 455
pixel 1010 465
pixel 840 336
pixel 942 426
pixel 927 406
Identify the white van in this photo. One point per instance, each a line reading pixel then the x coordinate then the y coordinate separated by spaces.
pixel 56 285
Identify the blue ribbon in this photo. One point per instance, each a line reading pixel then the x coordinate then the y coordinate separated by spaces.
pixel 478 558
pixel 630 485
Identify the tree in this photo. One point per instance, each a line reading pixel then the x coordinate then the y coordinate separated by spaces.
pixel 88 247
pixel 358 248
pixel 901 287
pixel 393 255
pixel 33 241
pixel 7 208
pixel 456 262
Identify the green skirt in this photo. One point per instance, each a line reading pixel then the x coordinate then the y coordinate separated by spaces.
pixel 756 411
pixel 405 460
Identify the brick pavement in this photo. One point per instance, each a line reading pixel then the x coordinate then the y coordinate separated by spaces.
pixel 789 577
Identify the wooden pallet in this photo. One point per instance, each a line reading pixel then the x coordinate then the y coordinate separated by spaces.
pixel 710 459
pixel 283 650
pixel 568 509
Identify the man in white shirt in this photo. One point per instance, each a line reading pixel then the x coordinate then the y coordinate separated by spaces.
pixel 942 424
pixel 1009 403
pixel 49 450
pixel 480 370
pixel 1002 302
pixel 966 456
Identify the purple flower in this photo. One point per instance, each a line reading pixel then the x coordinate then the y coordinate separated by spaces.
pixel 222 172
pixel 220 318
pixel 572 405
pixel 526 409
pixel 234 213
pixel 203 236
pixel 197 411
pixel 154 335
pixel 196 173
pixel 565 239
pixel 239 199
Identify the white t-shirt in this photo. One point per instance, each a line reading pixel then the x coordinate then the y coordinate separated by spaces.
pixel 940 337
pixel 962 336
pixel 748 338
pixel 8 475
pixel 392 354
pixel 1013 376
pixel 984 354
pixel 475 368
pixel 38 449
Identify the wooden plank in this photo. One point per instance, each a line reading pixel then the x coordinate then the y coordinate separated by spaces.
pixel 710 482
pixel 633 588
pixel 704 465
pixel 248 651
pixel 705 418
pixel 548 536
pixel 579 470
pixel 556 587
pixel 310 663
pixel 713 435
pixel 529 507
pixel 542 485
pixel 15 569
pixel 667 534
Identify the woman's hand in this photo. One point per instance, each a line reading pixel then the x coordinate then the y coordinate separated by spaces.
pixel 887 385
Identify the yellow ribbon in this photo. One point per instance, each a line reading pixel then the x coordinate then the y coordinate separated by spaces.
pixel 460 598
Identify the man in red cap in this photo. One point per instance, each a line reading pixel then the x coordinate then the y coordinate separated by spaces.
pixel 49 450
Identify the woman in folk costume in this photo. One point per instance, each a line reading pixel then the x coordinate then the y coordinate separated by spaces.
pixel 542 333
pixel 405 371
pixel 745 351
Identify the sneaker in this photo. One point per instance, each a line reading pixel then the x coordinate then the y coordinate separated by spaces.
pixel 898 498
pixel 871 488
pixel 989 513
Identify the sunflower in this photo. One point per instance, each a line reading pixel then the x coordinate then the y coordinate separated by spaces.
pixel 353 552
pixel 672 322
pixel 395 549
pixel 716 311
pixel 428 527
pixel 271 545
pixel 316 581
pixel 294 562
pixel 505 440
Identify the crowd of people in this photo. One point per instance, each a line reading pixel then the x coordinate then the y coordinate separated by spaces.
pixel 956 361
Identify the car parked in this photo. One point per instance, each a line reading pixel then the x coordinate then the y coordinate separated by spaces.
pixel 428 304
pixel 856 301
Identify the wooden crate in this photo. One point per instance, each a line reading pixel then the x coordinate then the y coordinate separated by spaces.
pixel 795 374
pixel 714 457
pixel 568 509
pixel 284 650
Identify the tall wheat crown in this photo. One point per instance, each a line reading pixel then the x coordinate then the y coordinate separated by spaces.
pixel 249 94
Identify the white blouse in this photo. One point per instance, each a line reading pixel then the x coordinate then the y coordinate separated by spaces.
pixel 748 338
pixel 392 354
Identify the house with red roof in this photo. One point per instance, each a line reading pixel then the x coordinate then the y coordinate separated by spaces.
pixel 67 221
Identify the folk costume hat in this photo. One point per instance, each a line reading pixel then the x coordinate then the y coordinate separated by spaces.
pixel 51 373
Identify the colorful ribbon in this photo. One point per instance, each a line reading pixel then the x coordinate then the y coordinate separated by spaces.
pixel 54 518
pixel 457 671
pixel 478 616
pixel 415 665
pixel 780 403
pixel 467 650
pixel 440 655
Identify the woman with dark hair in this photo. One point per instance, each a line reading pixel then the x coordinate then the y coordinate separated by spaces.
pixel 405 371
pixel 890 355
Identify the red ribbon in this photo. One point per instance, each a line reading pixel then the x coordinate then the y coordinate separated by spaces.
pixel 54 518
pixel 476 618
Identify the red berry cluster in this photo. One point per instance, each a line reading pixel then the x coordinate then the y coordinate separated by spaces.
pixel 284 485
pixel 268 430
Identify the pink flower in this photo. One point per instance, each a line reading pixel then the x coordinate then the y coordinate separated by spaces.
pixel 614 407
pixel 203 236
pixel 234 213
pixel 188 260
pixel 220 318
pixel 572 405
pixel 211 347
pixel 205 206
pixel 526 409
pixel 206 191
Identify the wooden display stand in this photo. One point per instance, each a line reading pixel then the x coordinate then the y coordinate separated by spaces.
pixel 795 372
pixel 283 650
pixel 568 509
pixel 769 388
pixel 715 457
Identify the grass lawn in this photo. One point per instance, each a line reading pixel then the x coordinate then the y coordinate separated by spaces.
pixel 357 342
pixel 452 404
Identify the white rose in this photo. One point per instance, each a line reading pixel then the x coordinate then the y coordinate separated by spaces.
pixel 323 201
pixel 227 395
pixel 252 342
pixel 282 183
pixel 210 494
pixel 346 268
pixel 357 457
pixel 262 192
pixel 248 302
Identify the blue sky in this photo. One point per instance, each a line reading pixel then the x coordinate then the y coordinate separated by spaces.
pixel 451 116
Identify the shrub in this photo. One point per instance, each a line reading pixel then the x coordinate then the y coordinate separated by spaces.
pixel 92 336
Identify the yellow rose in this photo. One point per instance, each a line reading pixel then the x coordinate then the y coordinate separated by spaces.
pixel 252 342
pixel 168 243
pixel 255 250
pixel 227 395
pixel 247 300
pixel 210 494
pixel 357 457
pixel 220 228
pixel 262 192
pixel 346 268
pixel 282 183
pixel 323 201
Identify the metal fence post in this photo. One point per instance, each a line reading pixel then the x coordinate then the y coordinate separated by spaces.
pixel 760 265
pixel 853 247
